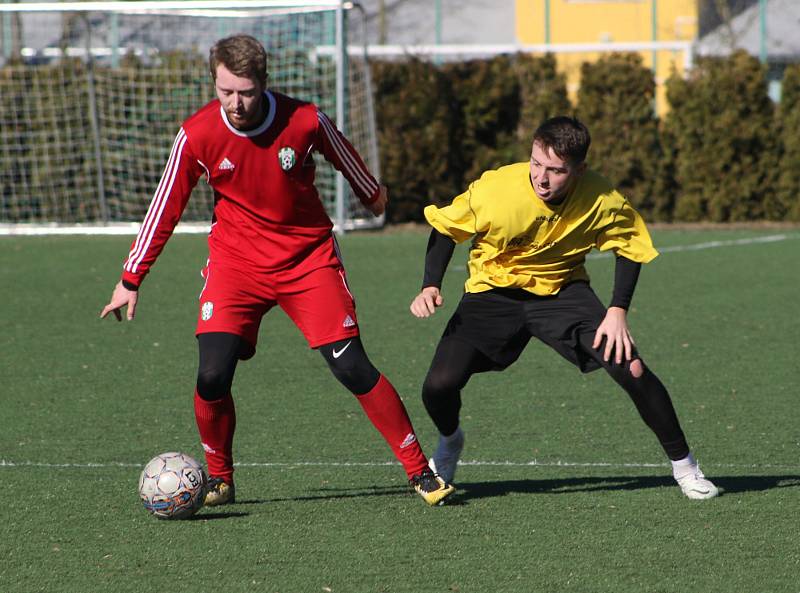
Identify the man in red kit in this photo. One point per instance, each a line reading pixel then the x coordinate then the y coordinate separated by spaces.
pixel 271 243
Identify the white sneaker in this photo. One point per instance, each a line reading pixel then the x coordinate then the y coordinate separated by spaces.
pixel 445 459
pixel 695 485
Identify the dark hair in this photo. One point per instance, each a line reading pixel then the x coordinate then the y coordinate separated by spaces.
pixel 243 55
pixel 566 136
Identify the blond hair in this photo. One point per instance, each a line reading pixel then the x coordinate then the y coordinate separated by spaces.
pixel 243 55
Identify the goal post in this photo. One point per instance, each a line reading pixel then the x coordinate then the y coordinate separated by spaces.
pixel 94 93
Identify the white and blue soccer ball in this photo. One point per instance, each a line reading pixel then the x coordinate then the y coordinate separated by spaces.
pixel 172 486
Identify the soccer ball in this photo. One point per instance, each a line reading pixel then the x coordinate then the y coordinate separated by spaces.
pixel 172 486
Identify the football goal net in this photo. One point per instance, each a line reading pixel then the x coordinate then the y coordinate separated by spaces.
pixel 93 94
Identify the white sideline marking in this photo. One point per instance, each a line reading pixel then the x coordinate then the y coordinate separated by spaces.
pixel 712 244
pixel 473 463
pixel 694 247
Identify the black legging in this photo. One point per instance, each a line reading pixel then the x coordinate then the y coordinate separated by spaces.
pixel 452 366
pixel 219 353
pixel 456 361
pixel 350 365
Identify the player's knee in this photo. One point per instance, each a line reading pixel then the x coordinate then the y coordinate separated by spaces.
pixel 440 382
pixel 636 368
pixel 358 380
pixel 213 383
pixel 351 366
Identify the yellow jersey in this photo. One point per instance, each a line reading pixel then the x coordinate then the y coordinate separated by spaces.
pixel 520 241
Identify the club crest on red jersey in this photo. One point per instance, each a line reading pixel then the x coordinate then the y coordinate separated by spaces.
pixel 207 310
pixel 287 157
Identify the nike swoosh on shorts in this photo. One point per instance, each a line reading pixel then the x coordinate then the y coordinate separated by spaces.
pixel 337 354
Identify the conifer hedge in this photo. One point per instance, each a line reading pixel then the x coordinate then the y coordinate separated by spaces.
pixel 416 120
pixel 440 127
pixel 723 152
pixel 786 204
pixel 615 101
pixel 721 138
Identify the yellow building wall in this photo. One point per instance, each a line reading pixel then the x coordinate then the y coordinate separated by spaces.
pixel 604 21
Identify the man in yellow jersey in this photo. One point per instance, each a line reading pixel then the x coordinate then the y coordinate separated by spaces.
pixel 531 226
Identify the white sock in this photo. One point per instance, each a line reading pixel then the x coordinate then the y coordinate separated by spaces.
pixel 456 436
pixel 684 467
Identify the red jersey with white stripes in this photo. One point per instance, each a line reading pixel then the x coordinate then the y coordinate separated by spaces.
pixel 267 212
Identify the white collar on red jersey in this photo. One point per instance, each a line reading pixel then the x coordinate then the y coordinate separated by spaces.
pixel 255 131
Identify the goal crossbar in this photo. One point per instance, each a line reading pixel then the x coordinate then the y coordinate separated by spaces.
pixel 150 6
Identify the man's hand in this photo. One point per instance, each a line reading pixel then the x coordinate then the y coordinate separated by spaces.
pixel 618 338
pixel 121 297
pixel 425 303
pixel 378 207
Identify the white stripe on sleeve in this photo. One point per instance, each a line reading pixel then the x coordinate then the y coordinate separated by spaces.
pixel 156 208
pixel 360 176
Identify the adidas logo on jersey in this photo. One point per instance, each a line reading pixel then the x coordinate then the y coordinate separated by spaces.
pixel 348 322
pixel 226 165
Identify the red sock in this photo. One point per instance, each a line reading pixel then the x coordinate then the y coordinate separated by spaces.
pixel 216 422
pixel 388 414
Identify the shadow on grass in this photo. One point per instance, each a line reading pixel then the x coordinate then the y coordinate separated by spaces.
pixel 335 494
pixel 734 484
pixel 727 485
pixel 210 516
pixel 475 490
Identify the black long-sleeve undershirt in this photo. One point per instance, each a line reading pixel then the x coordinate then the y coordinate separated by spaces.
pixel 440 251
pixel 626 274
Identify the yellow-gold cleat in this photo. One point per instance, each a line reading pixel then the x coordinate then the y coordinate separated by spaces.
pixel 431 487
pixel 219 492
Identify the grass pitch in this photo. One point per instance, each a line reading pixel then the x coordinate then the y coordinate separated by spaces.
pixel 563 488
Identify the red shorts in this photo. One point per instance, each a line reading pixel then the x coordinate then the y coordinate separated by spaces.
pixel 318 302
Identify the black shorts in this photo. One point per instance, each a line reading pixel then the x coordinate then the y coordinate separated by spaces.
pixel 500 322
